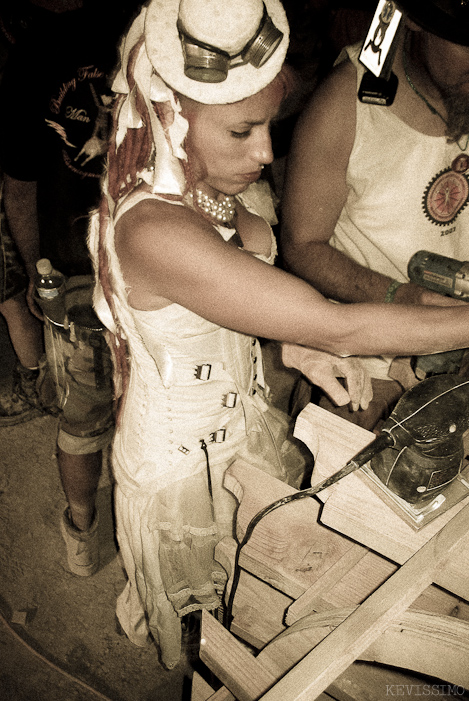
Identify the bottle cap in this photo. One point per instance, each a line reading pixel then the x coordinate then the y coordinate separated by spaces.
pixel 44 266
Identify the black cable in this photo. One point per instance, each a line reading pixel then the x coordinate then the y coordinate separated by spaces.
pixel 51 664
pixel 203 445
pixel 377 445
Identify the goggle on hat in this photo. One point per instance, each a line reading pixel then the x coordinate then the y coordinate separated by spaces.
pixel 216 51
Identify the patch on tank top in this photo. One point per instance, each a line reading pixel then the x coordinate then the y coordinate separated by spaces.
pixel 446 196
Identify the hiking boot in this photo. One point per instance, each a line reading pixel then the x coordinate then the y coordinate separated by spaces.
pixel 15 410
pixel 82 546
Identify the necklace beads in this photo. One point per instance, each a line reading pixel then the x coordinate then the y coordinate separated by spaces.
pixel 223 210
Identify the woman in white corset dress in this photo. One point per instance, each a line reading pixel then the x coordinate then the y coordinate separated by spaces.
pixel 183 249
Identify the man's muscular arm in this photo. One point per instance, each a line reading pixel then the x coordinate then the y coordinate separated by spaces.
pixel 315 192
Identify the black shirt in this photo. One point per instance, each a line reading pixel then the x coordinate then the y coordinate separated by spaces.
pixel 55 114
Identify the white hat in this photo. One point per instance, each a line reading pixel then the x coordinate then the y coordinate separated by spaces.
pixel 226 26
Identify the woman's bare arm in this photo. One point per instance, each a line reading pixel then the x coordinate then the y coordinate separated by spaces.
pixel 170 254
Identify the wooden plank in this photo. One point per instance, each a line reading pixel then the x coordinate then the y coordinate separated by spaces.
pixel 441 602
pixel 387 536
pixel 222 694
pixel 311 598
pixel 250 625
pixel 289 547
pixel 431 645
pixel 345 644
pixel 270 605
pixel 236 668
pixel 244 676
pixel 377 526
pixel 260 611
pixel 200 690
pixel 258 608
pixel 332 440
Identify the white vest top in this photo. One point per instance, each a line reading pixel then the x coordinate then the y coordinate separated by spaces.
pixel 403 197
pixel 190 380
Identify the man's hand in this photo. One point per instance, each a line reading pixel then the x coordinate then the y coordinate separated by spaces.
pixel 323 369
pixel 31 300
pixel 411 293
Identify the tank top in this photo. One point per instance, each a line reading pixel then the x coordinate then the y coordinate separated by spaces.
pixel 403 196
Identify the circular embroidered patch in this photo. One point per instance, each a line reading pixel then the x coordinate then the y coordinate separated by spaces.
pixel 446 196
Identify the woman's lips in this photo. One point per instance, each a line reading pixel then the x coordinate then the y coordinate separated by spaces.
pixel 251 177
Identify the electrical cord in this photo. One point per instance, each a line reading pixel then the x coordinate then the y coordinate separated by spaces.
pixel 53 666
pixel 377 445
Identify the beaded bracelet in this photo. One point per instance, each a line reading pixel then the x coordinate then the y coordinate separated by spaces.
pixel 391 291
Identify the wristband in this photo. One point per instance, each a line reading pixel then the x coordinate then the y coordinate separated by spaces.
pixel 391 291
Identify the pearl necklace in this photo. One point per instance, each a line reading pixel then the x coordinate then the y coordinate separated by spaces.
pixel 223 211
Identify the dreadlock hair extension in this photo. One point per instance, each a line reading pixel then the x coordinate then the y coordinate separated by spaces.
pixel 122 167
pixel 124 164
pixel 118 343
pixel 133 153
pixel 162 111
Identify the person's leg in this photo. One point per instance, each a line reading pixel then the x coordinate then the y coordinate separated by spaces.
pixel 25 331
pixel 84 381
pixel 80 475
pixel 20 402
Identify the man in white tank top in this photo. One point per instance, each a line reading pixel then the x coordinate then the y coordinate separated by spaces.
pixel 368 185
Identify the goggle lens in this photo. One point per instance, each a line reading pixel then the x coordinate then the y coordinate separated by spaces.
pixel 203 64
pixel 263 45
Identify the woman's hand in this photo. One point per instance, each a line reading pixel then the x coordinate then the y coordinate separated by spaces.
pixel 323 369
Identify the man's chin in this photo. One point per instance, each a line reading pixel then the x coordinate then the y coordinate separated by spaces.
pixel 457 108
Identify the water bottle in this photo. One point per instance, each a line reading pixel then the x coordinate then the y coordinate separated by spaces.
pixel 50 288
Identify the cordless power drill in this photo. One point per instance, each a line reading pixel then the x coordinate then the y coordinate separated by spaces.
pixel 441 274
pixel 449 277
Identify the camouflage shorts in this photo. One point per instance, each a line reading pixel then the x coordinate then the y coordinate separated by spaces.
pixel 79 364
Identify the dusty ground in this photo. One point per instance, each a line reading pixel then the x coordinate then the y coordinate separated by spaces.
pixel 63 622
